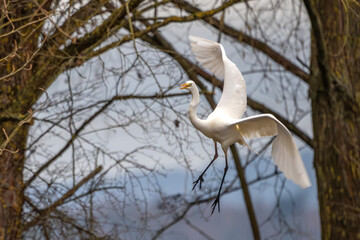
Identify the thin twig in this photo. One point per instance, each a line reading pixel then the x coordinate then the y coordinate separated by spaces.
pixel 14 132
pixel 61 200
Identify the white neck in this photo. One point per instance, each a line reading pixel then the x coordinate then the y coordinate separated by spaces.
pixel 192 108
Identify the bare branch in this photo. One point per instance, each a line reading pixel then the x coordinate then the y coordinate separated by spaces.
pixel 152 27
pixel 73 23
pixel 244 38
pixel 160 42
pixel 88 121
pixel 27 119
pixel 247 197
pixel 61 200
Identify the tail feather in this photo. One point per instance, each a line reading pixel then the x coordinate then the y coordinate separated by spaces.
pixel 244 143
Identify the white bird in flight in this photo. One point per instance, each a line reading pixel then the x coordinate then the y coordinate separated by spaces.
pixel 224 124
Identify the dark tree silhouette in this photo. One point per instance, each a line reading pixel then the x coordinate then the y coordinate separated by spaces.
pixel 59 94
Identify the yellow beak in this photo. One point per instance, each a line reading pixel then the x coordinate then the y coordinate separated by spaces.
pixel 184 86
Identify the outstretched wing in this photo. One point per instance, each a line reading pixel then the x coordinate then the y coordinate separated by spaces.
pixel 284 151
pixel 212 56
pixel 209 54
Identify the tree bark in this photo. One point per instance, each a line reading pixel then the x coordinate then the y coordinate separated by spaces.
pixel 20 28
pixel 335 96
pixel 11 182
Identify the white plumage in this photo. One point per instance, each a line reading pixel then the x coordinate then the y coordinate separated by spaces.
pixel 224 124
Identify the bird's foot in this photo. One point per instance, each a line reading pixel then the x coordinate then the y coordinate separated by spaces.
pixel 216 203
pixel 200 179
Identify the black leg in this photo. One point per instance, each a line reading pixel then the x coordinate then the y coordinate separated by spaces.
pixel 200 178
pixel 217 200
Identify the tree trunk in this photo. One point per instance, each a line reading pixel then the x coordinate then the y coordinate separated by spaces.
pixel 19 31
pixel 11 182
pixel 335 99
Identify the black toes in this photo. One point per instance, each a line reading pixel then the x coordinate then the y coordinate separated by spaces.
pixel 200 179
pixel 216 203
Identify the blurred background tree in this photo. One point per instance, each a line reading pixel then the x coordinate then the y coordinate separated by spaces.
pixel 92 121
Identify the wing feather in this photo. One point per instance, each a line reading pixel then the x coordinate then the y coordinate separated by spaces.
pixel 284 150
pixel 209 54
pixel 212 56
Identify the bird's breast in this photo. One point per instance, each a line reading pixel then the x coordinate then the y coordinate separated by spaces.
pixel 218 129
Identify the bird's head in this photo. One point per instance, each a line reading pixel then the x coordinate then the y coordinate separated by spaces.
pixel 188 85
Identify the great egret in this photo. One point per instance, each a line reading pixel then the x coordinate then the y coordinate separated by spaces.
pixel 224 124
